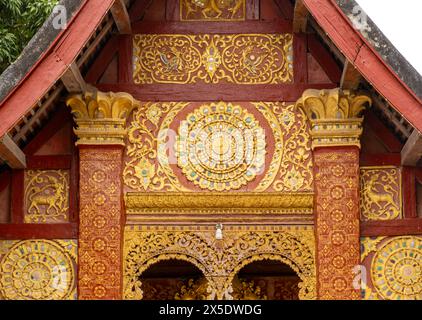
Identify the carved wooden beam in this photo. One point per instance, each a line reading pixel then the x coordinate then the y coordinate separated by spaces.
pixel 300 17
pixel 11 153
pixel 121 17
pixel 412 150
pixel 73 80
pixel 350 77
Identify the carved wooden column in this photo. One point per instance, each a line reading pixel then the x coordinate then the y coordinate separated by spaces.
pixel 100 119
pixel 336 126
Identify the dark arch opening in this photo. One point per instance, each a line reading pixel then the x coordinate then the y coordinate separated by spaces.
pixel 266 279
pixel 173 279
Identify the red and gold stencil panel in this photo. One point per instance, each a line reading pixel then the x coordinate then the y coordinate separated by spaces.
pixel 100 223
pixel 337 224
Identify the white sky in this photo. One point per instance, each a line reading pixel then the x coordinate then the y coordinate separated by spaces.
pixel 401 23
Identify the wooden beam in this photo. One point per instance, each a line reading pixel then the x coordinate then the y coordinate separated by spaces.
pixel 121 17
pixel 325 59
pixel 300 17
pixel 412 150
pixel 208 92
pixel 399 227
pixel 350 77
pixel 23 231
pixel 138 8
pixel 211 27
pixel 11 153
pixel 382 133
pixel 73 80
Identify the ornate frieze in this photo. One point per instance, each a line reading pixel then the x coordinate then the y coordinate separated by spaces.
pixel 206 58
pixel 201 202
pixel 394 268
pixel 335 116
pixel 100 117
pixel 212 10
pixel 38 269
pixel 46 196
pixel 183 147
pixel 219 260
pixel 380 193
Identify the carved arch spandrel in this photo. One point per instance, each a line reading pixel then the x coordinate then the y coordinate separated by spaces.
pixel 219 261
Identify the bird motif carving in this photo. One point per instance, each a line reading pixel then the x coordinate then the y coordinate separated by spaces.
pixel 172 61
pixel 251 61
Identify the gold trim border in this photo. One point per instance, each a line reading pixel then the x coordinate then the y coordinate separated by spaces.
pixel 201 202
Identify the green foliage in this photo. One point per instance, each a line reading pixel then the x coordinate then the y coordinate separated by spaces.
pixel 19 21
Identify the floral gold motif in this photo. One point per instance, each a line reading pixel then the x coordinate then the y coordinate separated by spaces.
pixel 396 269
pixel 380 193
pixel 38 270
pixel 240 59
pixel 46 196
pixel 148 162
pixel 212 10
pixel 220 147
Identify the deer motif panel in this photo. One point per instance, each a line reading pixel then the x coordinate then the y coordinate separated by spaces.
pixel 46 196
pixel 380 193
pixel 182 147
pixel 206 58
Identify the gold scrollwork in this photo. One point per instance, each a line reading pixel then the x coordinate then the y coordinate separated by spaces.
pixel 219 262
pixel 212 10
pixel 240 59
pixel 146 150
pixel 46 196
pixel 148 164
pixel 380 193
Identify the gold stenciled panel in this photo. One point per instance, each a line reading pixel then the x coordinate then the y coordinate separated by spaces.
pixel 38 269
pixel 218 146
pixel 46 196
pixel 380 195
pixel 206 58
pixel 392 268
pixel 212 10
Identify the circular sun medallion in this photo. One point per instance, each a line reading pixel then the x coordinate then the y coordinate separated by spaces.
pixel 221 147
pixel 397 269
pixel 36 269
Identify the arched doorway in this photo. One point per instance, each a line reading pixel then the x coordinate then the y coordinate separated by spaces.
pixel 173 279
pixel 266 279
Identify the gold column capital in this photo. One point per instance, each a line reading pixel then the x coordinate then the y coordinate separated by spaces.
pixel 335 116
pixel 100 117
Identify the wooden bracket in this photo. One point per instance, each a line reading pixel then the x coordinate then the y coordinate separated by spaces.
pixel 11 153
